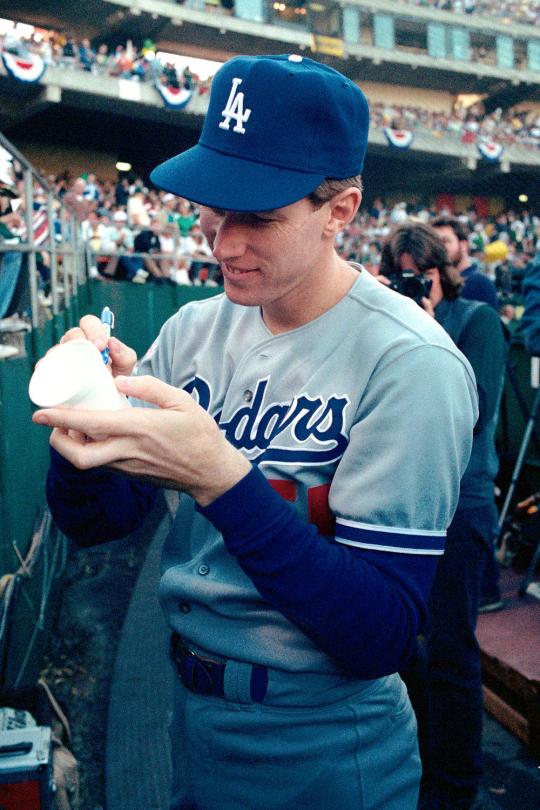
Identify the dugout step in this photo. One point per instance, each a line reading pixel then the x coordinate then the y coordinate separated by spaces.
pixel 510 655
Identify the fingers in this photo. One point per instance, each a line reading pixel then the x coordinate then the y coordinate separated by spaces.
pixel 73 334
pixel 89 328
pixel 89 423
pixel 122 357
pixel 94 330
pixel 150 389
pixel 83 454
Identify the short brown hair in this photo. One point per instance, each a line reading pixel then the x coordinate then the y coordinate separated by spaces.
pixel 460 230
pixel 426 248
pixel 330 187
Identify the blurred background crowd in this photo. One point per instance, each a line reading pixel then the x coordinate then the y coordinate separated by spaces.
pixel 141 235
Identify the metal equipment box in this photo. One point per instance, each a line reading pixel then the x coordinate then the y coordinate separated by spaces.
pixel 26 777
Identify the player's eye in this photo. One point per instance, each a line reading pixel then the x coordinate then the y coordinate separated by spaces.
pixel 258 218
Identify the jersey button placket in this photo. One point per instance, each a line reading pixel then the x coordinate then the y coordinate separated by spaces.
pixel 247 395
pixel 203 569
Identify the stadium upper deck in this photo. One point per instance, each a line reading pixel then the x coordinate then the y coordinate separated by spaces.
pixel 485 44
pixel 416 55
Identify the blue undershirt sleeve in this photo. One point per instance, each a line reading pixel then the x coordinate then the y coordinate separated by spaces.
pixel 95 506
pixel 363 608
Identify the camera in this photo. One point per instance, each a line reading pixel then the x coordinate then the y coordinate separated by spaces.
pixel 409 283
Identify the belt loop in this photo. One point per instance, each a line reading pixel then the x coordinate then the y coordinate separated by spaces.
pixel 237 682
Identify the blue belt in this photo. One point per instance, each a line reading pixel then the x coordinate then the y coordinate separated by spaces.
pixel 204 676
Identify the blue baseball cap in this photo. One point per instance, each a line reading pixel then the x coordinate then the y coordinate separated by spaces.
pixel 276 128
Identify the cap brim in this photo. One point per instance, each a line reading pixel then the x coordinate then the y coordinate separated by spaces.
pixel 211 178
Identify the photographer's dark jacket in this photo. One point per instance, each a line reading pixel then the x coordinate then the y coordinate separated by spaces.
pixel 478 287
pixel 477 331
pixel 530 322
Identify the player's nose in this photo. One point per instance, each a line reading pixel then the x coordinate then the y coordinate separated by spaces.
pixel 229 239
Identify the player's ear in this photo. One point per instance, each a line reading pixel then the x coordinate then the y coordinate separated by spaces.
pixel 342 209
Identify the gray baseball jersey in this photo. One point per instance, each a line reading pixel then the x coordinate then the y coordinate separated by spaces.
pixel 362 419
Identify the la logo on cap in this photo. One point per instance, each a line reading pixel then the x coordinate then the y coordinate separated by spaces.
pixel 235 109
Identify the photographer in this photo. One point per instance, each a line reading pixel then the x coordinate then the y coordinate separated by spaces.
pixel 448 697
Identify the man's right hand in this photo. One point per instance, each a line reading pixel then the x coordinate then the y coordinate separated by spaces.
pixel 122 358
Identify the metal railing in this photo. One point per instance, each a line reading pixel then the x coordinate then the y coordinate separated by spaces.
pixel 68 250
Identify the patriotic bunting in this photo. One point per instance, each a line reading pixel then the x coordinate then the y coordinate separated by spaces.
pixel 28 67
pixel 400 138
pixel 175 97
pixel 490 150
pixel 40 227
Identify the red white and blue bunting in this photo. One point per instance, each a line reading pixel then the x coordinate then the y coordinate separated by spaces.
pixel 400 138
pixel 176 97
pixel 28 67
pixel 490 150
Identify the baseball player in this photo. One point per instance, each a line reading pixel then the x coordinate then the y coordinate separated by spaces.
pixel 317 425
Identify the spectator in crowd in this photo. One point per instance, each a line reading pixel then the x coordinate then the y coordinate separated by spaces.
pixel 477 286
pixel 187 78
pixel 185 217
pixel 121 192
pixel 148 241
pixel 76 200
pixel 170 76
pixel 94 230
pixel 10 261
pixel 166 211
pixel 87 55
pixel 448 701
pixel 169 245
pixel 138 215
pixel 69 52
pixel 91 190
pixel 203 267
pixel 117 243
pixel 102 57
pixel 122 62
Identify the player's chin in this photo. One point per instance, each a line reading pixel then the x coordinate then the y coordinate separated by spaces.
pixel 242 290
pixel 241 298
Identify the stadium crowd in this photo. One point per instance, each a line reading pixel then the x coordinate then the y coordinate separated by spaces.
pixel 64 50
pixel 141 235
pixel 469 124
pixel 526 12
pixel 137 208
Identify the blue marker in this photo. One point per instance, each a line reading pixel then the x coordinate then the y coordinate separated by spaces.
pixel 107 319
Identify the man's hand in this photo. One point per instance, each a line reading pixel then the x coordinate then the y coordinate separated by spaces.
pixel 176 445
pixel 122 359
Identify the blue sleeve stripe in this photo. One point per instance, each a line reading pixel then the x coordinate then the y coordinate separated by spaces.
pixel 396 540
pixel 394 549
pixel 370 527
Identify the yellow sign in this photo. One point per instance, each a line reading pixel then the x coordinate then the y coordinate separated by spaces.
pixel 329 45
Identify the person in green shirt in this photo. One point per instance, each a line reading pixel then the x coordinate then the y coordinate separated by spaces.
pixel 185 218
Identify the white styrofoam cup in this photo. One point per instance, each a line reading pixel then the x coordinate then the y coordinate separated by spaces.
pixel 73 375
